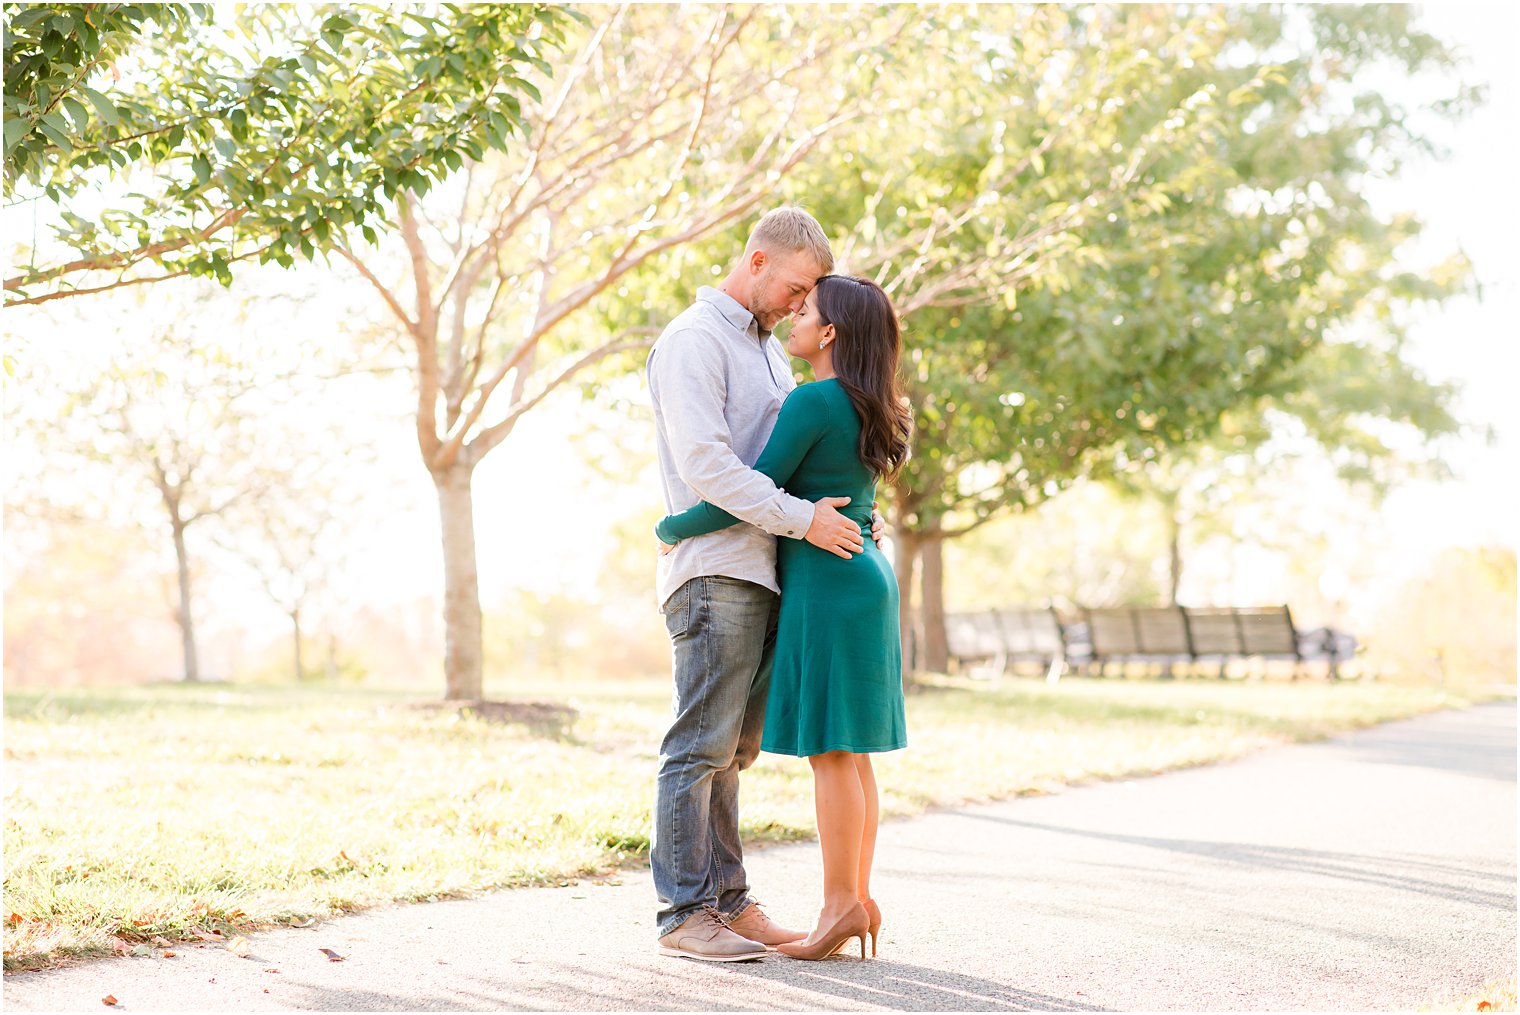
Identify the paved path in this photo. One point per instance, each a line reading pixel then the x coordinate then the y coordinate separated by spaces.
pixel 1373 871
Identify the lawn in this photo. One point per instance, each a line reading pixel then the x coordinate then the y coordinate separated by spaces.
pixel 176 811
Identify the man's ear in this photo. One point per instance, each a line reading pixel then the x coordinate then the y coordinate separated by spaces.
pixel 757 262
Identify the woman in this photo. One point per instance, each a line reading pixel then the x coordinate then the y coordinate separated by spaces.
pixel 836 685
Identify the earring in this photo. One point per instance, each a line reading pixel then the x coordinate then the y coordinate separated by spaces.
pixel 822 343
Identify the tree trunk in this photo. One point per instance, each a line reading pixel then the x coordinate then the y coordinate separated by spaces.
pixel 936 644
pixel 906 566
pixel 461 586
pixel 295 623
pixel 182 616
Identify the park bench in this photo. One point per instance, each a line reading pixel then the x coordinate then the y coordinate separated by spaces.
pixel 999 637
pixel 1094 639
pixel 1137 635
pixel 1217 635
pixel 1226 633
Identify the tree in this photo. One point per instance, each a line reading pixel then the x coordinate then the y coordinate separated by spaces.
pixel 1373 415
pixel 269 141
pixel 289 532
pixel 655 142
pixel 1055 133
pixel 174 413
pixel 1253 249
pixel 175 423
pixel 652 136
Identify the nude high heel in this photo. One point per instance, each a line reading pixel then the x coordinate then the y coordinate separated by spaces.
pixel 852 924
pixel 873 924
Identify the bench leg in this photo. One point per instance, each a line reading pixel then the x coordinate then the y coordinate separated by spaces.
pixel 1057 667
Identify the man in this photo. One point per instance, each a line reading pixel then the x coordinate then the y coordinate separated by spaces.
pixel 717 379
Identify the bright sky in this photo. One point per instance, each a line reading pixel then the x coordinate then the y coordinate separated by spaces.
pixel 1468 202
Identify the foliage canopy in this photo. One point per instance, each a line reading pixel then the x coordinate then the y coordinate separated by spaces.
pixel 268 138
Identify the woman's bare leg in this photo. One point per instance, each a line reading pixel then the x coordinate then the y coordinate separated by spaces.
pixel 867 777
pixel 840 806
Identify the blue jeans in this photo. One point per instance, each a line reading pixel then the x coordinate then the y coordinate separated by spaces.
pixel 723 636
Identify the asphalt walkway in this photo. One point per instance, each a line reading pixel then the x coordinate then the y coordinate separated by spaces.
pixel 1372 871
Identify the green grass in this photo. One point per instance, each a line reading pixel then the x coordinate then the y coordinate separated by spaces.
pixel 160 812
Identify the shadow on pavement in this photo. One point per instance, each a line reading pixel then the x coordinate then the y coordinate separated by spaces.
pixel 879 983
pixel 902 987
pixel 1389 871
pixel 1487 752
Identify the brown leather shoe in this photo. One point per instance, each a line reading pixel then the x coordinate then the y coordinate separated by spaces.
pixel 703 936
pixel 755 925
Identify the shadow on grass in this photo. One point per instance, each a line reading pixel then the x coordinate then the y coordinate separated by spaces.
pixel 544 719
pixel 51 704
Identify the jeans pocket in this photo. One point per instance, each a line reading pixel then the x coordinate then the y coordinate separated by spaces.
pixel 678 611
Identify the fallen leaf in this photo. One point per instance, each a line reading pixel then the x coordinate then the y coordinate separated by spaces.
pixel 169 954
pixel 142 950
pixel 310 921
pixel 271 969
pixel 204 935
pixel 266 990
pixel 109 999
pixel 239 946
pixel 161 942
pixel 1485 1006
pixel 332 956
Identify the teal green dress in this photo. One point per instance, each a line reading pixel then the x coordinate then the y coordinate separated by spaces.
pixel 837 680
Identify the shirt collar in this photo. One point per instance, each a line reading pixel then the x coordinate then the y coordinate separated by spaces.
pixel 732 310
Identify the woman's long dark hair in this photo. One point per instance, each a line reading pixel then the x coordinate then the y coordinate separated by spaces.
pixel 867 348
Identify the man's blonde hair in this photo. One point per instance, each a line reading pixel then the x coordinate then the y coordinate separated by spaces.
pixel 791 229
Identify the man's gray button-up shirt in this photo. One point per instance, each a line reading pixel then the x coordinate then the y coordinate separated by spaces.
pixel 717 383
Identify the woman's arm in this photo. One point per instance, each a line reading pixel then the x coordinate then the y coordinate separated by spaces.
pixel 803 420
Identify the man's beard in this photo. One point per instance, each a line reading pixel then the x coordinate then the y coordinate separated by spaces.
pixel 761 309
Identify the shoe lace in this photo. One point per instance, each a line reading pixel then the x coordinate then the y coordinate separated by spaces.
pixel 753 907
pixel 714 921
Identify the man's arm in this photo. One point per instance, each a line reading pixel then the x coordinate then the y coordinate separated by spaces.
pixel 688 385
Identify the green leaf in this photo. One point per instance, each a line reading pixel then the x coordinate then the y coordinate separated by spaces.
pixel 78 111
pixel 15 130
pixel 202 167
pixel 55 135
pixel 103 106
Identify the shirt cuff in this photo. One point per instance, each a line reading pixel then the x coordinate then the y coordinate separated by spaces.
pixel 796 517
